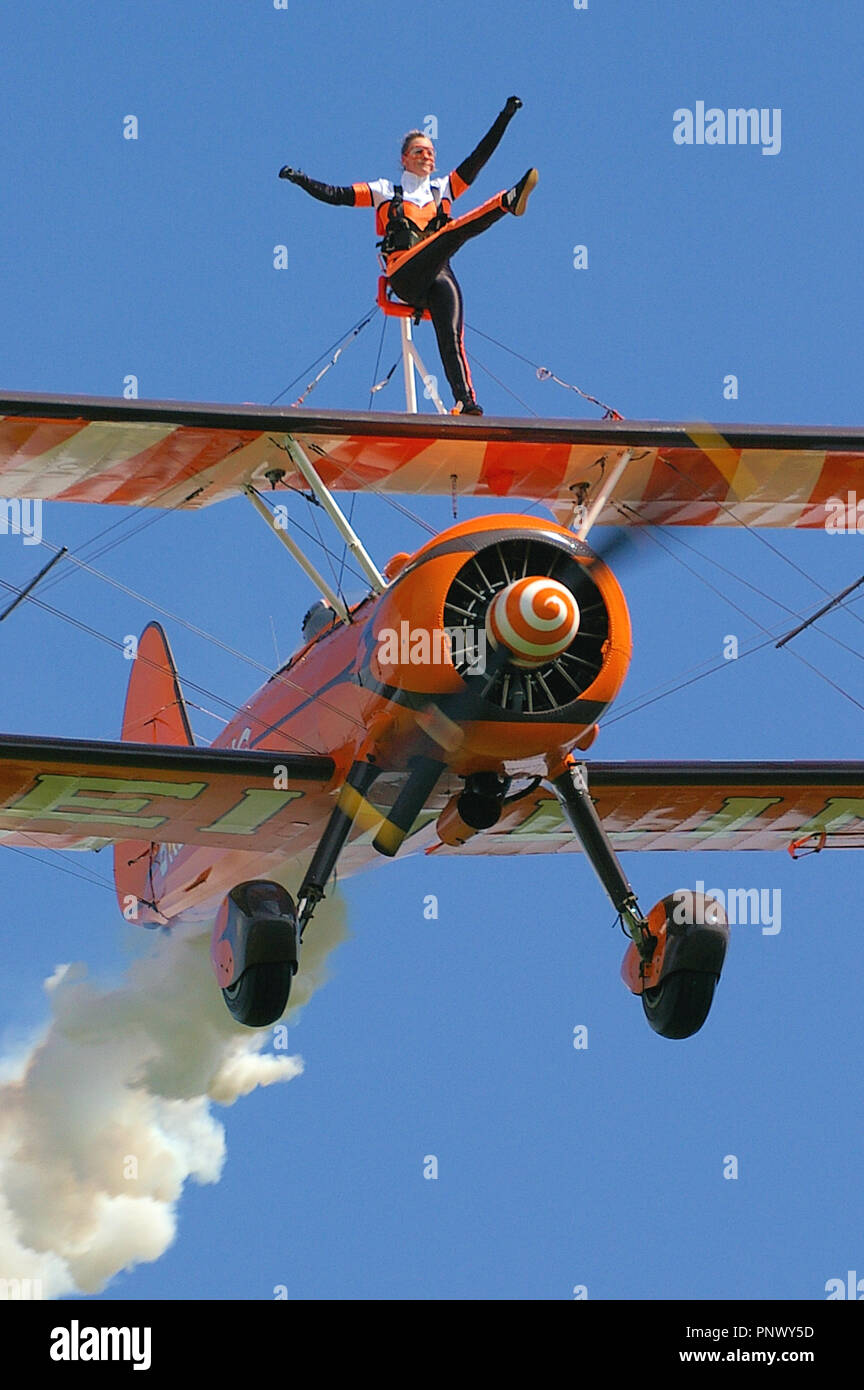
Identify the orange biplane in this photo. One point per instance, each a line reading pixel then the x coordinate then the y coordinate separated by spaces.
pixel 452 707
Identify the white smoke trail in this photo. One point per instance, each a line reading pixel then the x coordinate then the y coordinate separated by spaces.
pixel 108 1114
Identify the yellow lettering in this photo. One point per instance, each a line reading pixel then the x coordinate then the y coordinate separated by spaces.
pixel 734 814
pixel 61 798
pixel 837 811
pixel 252 812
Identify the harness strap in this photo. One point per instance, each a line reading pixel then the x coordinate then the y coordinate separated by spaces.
pixel 401 233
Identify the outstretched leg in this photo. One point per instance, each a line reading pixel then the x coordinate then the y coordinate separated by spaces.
pixel 411 272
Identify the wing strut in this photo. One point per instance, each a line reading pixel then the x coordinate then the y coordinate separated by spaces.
pixel 324 496
pixel 335 602
pixel 352 800
pixel 300 459
pixel 603 495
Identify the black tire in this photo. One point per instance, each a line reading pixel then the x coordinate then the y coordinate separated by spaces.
pixel 261 993
pixel 678 1006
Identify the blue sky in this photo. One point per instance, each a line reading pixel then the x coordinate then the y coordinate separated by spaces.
pixel 154 257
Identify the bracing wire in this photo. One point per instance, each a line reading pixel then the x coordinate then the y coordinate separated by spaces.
pixel 353 330
pixel 545 374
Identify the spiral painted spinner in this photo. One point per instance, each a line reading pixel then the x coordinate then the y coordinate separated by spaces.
pixel 534 618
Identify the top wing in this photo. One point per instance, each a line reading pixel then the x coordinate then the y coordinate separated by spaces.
pixel 169 454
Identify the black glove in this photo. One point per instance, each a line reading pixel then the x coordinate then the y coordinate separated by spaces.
pixel 324 192
pixel 511 106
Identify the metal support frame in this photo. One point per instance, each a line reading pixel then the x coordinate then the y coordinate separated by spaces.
pixel 603 495
pixel 301 461
pixel 342 817
pixel 412 362
pixel 336 603
pixel 571 787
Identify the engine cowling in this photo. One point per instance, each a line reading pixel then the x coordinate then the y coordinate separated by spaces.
pixel 511 628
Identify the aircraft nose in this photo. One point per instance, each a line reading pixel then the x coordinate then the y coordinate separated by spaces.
pixel 535 618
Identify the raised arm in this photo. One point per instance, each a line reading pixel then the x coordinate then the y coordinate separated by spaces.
pixel 467 171
pixel 324 192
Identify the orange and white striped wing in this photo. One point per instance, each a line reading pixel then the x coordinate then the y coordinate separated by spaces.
pixel 168 454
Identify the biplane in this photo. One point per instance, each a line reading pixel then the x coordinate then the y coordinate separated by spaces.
pixel 451 709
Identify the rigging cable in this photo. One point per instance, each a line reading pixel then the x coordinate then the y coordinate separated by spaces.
pixel 95 880
pixel 355 332
pixel 281 677
pixel 703 494
pixel 763 593
pixel 361 323
pixel 767 640
pixel 544 374
pixel 504 387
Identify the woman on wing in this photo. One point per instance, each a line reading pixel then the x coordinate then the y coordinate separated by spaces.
pixel 419 236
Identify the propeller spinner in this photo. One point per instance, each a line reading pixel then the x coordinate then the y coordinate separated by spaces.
pixel 535 619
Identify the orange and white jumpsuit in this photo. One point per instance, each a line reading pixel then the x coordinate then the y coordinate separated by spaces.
pixel 420 273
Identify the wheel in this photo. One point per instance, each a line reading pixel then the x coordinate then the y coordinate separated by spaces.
pixel 261 993
pixel 678 1006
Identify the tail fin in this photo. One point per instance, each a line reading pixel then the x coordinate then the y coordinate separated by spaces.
pixel 155 712
pixel 155 709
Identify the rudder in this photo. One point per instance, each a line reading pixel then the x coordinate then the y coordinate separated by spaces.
pixel 155 712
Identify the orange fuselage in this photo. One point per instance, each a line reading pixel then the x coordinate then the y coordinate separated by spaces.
pixel 390 685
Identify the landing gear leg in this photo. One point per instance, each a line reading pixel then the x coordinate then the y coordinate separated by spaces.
pixel 677 951
pixel 342 818
pixel 571 786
